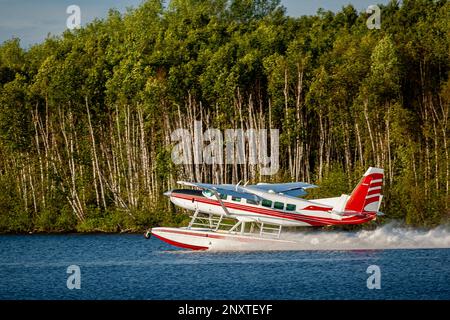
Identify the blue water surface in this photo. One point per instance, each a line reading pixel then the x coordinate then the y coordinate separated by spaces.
pixel 131 267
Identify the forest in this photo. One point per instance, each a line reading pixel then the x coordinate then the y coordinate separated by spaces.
pixel 86 116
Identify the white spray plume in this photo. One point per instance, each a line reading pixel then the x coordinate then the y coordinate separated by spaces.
pixel 389 236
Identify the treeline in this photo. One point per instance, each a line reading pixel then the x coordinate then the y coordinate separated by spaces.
pixel 86 118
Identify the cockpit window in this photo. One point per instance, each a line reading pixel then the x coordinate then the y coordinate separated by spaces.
pixel 223 196
pixel 208 193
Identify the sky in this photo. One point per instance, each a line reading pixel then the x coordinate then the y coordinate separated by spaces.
pixel 32 20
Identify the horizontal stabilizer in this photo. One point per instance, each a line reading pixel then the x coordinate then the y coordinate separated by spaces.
pixel 339 207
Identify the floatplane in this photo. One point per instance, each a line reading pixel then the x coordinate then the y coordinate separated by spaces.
pixel 258 213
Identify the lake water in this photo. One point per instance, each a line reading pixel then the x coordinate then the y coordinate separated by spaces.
pixel 131 267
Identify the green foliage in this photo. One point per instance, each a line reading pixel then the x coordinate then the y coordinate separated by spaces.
pixel 344 98
pixel 12 216
pixel 333 184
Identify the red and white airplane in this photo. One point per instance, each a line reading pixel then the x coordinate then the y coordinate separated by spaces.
pixel 259 212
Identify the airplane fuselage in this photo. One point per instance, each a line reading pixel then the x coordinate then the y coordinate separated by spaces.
pixel 273 209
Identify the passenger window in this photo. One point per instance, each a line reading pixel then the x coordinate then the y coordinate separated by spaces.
pixel 250 201
pixel 267 203
pixel 237 199
pixel 223 196
pixel 290 207
pixel 278 205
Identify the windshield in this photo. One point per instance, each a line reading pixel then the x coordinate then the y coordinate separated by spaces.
pixel 208 193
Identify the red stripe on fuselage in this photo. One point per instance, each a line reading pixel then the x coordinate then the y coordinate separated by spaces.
pixel 316 208
pixel 244 207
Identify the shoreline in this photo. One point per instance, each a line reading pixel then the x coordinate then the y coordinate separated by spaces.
pixel 127 231
pixel 400 224
pixel 67 233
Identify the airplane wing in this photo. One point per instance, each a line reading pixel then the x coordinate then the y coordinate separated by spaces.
pixel 229 189
pixel 293 189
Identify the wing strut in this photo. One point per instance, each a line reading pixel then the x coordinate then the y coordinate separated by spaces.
pixel 193 218
pixel 216 194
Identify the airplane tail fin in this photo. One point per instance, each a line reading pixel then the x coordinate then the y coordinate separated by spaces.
pixel 366 197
